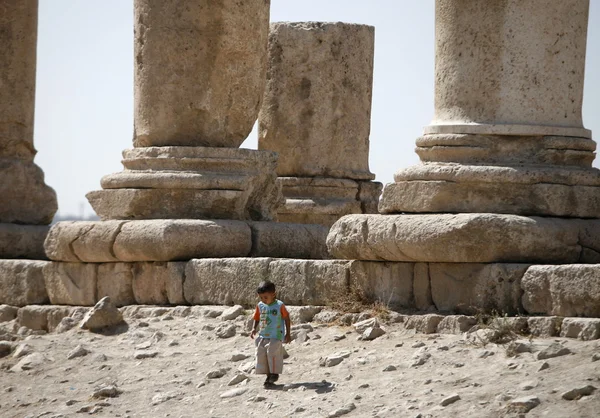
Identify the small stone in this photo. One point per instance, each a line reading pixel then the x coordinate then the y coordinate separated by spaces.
pixel 362 326
pixel 364 386
pixel 164 397
pixel 71 402
pixel 143 324
pixel 238 378
pixel 528 385
pixel 450 400
pixel 200 385
pixel 22 350
pixel 544 366
pixel 232 313
pixel 218 373
pixel 103 315
pixel 338 337
pixel 342 411
pixel 238 357
pixel 257 398
pixel 78 351
pixel 110 391
pixel 553 350
pixel 389 368
pixel 523 405
pixel 225 330
pixel 418 344
pixel 420 358
pixel 140 355
pixel 246 367
pixel 372 333
pixel 486 354
pixel 578 393
pixel 596 357
pixel 234 392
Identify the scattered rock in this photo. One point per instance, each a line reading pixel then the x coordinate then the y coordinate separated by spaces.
pixel 140 355
pixel 78 351
pixel 225 331
pixel 29 362
pixel 362 326
pixel 232 313
pixel 326 317
pixel 218 373
pixel 334 359
pixel 420 357
pixel 553 350
pixel 544 366
pixel 234 392
pixel 164 397
pixel 418 344
pixel 238 357
pixel 596 357
pixel 528 385
pixel 342 411
pixel 103 315
pixel 238 378
pixel 389 368
pixel 523 405
pixel 66 324
pixel 107 391
pixel 246 367
pixel 22 350
pixel 450 399
pixel 212 312
pixel 372 333
pixel 578 393
pixel 303 314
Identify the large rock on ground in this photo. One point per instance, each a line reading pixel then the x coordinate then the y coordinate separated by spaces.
pixel 568 290
pixel 103 315
pixel 463 238
pixel 22 282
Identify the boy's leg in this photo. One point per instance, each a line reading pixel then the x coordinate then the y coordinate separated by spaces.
pixel 275 356
pixel 262 362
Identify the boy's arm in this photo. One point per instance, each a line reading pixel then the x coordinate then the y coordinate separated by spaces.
pixel 256 319
pixel 288 324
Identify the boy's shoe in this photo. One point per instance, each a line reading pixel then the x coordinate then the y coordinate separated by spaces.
pixel 274 377
pixel 268 380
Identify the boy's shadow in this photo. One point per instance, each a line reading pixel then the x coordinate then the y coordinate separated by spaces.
pixel 318 387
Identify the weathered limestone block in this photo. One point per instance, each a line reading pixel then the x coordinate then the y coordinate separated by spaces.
pixel 71 283
pixel 199 71
pixel 524 190
pixel 284 240
pixel 115 280
pixel 224 281
pixel 456 324
pixel 426 324
pixel 470 288
pixel 319 200
pixel 460 238
pixel 506 149
pixel 87 241
pixel 158 283
pixel 22 241
pixel 170 240
pixel 390 284
pixel 234 281
pixel 22 282
pixel 544 326
pixel 582 328
pixel 310 282
pixel 8 313
pixel 524 78
pixel 568 290
pixel 317 103
pixel 26 199
pixel 46 318
pixel 147 240
pixel 191 183
pixel 422 287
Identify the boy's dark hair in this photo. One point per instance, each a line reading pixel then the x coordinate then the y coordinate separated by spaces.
pixel 265 287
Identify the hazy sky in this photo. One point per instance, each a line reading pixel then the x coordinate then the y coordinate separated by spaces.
pixel 84 107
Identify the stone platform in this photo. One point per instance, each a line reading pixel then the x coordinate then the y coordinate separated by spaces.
pixel 465 238
pixel 190 183
pixel 464 288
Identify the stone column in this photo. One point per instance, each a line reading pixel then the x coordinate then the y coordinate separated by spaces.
pixel 507 136
pixel 27 204
pixel 317 115
pixel 506 163
pixel 199 77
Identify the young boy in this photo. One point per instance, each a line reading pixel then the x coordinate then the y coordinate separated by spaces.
pixel 270 315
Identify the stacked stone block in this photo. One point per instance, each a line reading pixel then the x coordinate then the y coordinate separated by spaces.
pixel 27 204
pixel 316 115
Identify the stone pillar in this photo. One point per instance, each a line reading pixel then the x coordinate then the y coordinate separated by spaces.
pixel 27 204
pixel 507 136
pixel 317 115
pixel 199 77
pixel 506 163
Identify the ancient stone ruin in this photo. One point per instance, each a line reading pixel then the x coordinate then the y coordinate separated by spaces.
pixel 502 214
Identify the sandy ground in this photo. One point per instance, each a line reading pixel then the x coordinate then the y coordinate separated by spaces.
pixel 157 366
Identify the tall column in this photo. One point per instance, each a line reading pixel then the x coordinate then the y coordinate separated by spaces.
pixel 506 170
pixel 199 77
pixel 507 135
pixel 27 204
pixel 317 115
